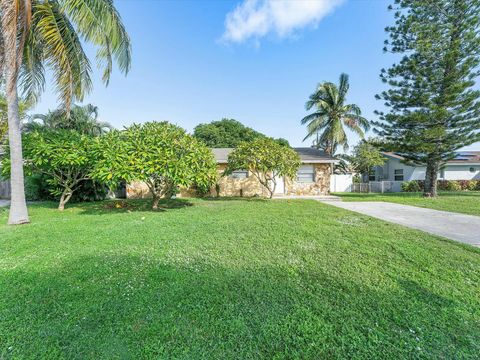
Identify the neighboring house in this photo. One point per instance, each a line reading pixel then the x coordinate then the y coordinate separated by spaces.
pixel 465 166
pixel 313 178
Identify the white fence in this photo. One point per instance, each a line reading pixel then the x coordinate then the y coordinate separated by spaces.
pixel 341 183
pixel 378 187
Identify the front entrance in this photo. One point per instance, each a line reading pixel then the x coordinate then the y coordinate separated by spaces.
pixel 280 189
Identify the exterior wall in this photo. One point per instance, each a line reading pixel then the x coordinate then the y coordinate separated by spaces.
pixel 387 171
pixel 138 190
pixel 461 172
pixel 449 172
pixel 229 186
pixel 247 187
pixel 321 186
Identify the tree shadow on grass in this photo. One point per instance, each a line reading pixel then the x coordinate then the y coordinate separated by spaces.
pixel 129 205
pixel 234 198
pixel 132 307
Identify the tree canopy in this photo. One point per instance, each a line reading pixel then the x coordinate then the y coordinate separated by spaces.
pixel 227 133
pixel 365 157
pixel 160 154
pixel 82 119
pixel 37 35
pixel 23 107
pixel 64 156
pixel 433 107
pixel 266 159
pixel 331 114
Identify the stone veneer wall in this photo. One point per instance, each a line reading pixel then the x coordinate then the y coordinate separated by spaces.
pixel 138 190
pixel 247 187
pixel 238 187
pixel 321 186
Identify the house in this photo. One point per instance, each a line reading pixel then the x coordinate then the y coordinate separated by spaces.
pixel 313 178
pixel 464 166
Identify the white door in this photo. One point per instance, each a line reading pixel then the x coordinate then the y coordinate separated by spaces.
pixel 280 189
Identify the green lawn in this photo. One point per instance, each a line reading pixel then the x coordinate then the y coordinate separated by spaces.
pixel 232 279
pixel 467 202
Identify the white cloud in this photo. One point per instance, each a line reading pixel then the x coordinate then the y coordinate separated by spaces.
pixel 257 18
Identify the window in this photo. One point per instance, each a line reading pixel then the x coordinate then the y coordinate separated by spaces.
pixel 472 169
pixel 371 175
pixel 306 174
pixel 240 174
pixel 398 174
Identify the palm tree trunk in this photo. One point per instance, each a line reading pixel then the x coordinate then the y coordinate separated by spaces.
pixel 18 205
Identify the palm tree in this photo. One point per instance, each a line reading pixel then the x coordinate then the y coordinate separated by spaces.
pixel 83 119
pixel 331 115
pixel 39 34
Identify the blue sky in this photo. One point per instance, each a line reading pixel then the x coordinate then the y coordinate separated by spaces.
pixel 254 61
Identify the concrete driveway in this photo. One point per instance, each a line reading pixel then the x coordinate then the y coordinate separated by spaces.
pixel 459 227
pixel 4 202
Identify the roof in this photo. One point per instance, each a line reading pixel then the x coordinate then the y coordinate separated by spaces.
pixel 307 155
pixel 461 158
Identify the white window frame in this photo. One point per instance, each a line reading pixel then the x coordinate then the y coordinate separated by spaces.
pixel 306 174
pixel 239 174
pixel 397 173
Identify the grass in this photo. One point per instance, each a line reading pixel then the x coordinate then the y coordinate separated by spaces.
pixel 238 279
pixel 467 202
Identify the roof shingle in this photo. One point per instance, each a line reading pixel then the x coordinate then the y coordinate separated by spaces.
pixel 307 155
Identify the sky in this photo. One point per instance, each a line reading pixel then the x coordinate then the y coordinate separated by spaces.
pixel 256 61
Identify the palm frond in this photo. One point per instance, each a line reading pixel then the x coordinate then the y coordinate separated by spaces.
pixel 99 23
pixel 32 72
pixel 343 87
pixel 63 52
pixel 357 120
pixel 313 116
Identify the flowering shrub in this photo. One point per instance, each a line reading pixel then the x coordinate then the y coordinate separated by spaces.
pixel 443 185
pixel 411 186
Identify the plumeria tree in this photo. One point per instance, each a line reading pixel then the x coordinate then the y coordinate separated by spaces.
pixel 266 159
pixel 161 155
pixel 65 157
pixel 38 34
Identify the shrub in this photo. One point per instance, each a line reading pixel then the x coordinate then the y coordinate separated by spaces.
pixel 411 186
pixel 453 186
pixel 90 190
pixel 464 184
pixel 37 189
pixel 473 185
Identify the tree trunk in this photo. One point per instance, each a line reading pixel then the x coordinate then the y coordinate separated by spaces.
pixel 18 206
pixel 155 201
pixel 431 176
pixel 66 195
pixel 272 191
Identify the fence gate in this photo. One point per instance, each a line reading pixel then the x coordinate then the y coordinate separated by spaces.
pixel 341 183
